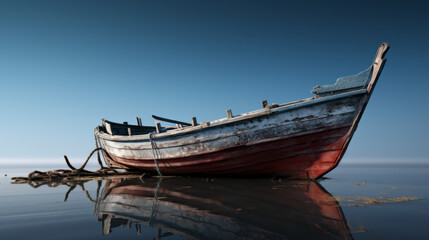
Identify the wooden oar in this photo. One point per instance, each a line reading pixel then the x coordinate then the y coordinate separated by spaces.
pixel 171 121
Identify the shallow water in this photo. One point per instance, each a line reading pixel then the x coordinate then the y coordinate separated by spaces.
pixel 353 202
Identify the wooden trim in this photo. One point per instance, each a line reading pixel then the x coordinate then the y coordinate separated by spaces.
pixel 377 65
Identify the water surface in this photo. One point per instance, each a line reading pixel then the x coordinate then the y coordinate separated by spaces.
pixel 353 202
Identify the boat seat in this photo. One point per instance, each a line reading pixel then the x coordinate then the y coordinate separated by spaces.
pixel 345 84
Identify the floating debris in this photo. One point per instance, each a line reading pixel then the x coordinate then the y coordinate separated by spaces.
pixel 359 229
pixel 393 187
pixel 361 201
pixel 362 184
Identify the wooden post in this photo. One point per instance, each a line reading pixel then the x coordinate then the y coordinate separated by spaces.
pixel 158 126
pixel 129 131
pixel 228 114
pixel 139 121
pixel 194 121
pixel 264 103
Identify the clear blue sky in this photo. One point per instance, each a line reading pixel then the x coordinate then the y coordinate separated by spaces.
pixel 64 65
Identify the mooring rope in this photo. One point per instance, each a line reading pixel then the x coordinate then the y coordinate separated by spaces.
pixel 84 164
pixel 58 174
pixel 153 146
pixel 98 152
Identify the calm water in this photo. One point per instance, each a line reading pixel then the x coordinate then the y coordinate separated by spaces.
pixel 354 202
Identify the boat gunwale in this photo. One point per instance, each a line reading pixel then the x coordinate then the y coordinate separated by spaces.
pixel 140 148
pixel 225 121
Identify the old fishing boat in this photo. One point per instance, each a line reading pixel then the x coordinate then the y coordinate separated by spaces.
pixel 301 139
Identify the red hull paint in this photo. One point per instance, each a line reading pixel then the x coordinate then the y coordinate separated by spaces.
pixel 308 155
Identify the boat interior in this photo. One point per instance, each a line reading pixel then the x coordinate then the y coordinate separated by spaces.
pixel 347 84
pixel 126 129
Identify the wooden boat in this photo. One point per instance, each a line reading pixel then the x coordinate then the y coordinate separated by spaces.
pixel 301 139
pixel 221 209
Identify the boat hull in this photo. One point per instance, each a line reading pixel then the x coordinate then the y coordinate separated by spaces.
pixel 301 142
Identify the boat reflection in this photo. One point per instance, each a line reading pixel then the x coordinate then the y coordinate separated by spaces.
pixel 223 208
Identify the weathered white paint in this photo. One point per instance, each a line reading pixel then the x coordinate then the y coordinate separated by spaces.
pixel 245 129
